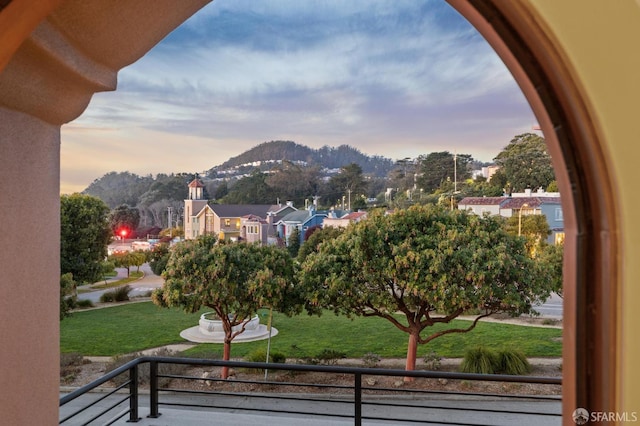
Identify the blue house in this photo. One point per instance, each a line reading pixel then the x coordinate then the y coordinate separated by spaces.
pixel 525 203
pixel 302 220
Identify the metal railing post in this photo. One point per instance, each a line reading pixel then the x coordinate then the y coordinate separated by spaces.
pixel 133 395
pixel 357 418
pixel 153 390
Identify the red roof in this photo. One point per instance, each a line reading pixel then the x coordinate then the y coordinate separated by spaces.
pixel 196 184
pixel 518 202
pixel 481 201
pixel 354 215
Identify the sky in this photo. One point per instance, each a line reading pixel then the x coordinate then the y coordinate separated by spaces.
pixel 396 78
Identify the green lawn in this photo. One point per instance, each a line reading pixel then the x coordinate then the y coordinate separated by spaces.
pixel 134 327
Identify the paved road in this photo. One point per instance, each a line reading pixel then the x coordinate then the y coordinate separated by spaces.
pixel 552 308
pixel 140 287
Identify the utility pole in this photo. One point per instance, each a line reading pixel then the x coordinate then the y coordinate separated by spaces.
pixel 455 176
pixel 170 220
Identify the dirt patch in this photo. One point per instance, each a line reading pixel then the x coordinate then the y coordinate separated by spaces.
pixel 303 382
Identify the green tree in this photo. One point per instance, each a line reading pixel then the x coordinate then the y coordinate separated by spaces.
pixel 119 188
pixel 158 258
pixel 552 258
pixel 129 259
pixel 427 265
pixel 233 279
pixel 533 227
pixel 526 163
pixel 439 167
pixel 349 182
pixel 124 218
pixel 84 236
pixel 480 188
pixel 138 258
pixel 221 191
pixel 252 189
pixel 294 183
pixel 312 243
pixel 67 295
pixel 293 243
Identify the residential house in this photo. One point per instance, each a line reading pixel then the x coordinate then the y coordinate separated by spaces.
pixel 482 205
pixel 302 220
pixel 342 222
pixel 522 204
pixel 227 220
pixel 254 229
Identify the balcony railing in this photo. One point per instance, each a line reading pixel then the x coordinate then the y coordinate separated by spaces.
pixel 395 405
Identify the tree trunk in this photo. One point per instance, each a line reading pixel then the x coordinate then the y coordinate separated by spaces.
pixel 412 349
pixel 226 356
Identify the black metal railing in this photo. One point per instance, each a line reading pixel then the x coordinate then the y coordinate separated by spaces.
pixel 109 406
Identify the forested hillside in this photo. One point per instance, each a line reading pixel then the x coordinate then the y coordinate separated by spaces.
pixel 152 196
pixel 339 177
pixel 269 153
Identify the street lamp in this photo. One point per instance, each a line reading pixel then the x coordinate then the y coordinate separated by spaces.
pixel 520 218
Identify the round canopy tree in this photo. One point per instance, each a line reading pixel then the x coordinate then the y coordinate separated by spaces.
pixel 84 236
pixel 233 279
pixel 427 264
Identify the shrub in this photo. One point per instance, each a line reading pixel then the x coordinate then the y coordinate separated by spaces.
pixel 84 304
pixel 432 361
pixel 260 355
pixel 70 365
pixel 120 294
pixel 371 360
pixel 330 356
pixel 479 360
pixel 71 359
pixel 513 362
pixel 158 258
pixel 144 368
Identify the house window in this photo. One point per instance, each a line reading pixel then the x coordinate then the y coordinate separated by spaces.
pixel 559 238
pixel 227 222
pixel 559 214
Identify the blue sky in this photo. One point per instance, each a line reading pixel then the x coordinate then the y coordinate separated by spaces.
pixel 397 78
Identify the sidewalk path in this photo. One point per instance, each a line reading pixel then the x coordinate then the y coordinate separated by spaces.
pixel 140 287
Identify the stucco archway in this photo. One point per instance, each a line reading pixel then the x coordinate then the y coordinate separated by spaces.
pixel 77 49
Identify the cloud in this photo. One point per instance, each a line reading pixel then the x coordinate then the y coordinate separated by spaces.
pixel 387 76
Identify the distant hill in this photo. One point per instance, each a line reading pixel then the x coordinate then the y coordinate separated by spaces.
pixel 267 154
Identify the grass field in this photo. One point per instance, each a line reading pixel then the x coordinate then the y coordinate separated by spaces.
pixel 137 326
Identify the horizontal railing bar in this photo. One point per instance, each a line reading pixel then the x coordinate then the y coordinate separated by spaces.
pixel 454 393
pixel 252 382
pixel 262 410
pixel 117 417
pixel 357 370
pixel 110 375
pixel 260 396
pixel 386 419
pixel 424 422
pixel 350 387
pixel 91 404
pixel 450 408
pixel 350 401
pixel 345 370
pixel 106 410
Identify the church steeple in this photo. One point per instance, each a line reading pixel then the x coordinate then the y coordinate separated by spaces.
pixel 196 189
